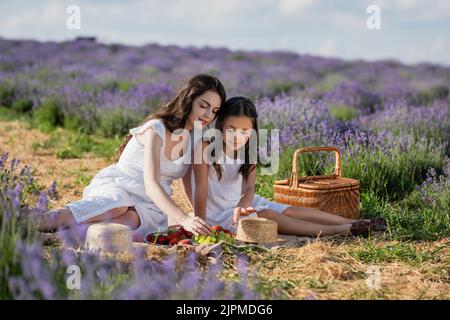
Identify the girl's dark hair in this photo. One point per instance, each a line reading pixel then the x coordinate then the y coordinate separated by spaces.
pixel 237 106
pixel 175 112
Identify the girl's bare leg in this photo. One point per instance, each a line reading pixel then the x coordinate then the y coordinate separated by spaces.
pixel 62 218
pixel 296 226
pixel 315 216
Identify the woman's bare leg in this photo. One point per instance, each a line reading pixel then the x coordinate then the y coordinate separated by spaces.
pixel 62 218
pixel 295 226
pixel 77 233
pixel 315 216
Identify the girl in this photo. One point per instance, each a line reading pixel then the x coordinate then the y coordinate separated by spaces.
pixel 135 191
pixel 225 190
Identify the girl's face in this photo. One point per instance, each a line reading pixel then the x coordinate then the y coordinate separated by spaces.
pixel 236 131
pixel 204 108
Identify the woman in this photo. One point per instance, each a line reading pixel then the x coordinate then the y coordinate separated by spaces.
pixel 136 190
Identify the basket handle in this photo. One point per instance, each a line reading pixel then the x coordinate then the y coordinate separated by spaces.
pixel 337 167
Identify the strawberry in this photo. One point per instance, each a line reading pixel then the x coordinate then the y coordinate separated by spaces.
pixel 181 232
pixel 151 238
pixel 217 229
pixel 174 241
pixel 186 233
pixel 228 232
pixel 172 230
pixel 162 240
pixel 172 236
pixel 189 234
pixel 185 242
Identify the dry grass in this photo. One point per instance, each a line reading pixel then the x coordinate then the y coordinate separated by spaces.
pixel 333 268
pixel 327 270
pixel 17 139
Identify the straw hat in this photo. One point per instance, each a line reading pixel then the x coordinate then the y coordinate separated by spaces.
pixel 257 230
pixel 109 238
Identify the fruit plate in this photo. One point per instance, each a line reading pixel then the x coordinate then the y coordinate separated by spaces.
pixel 177 235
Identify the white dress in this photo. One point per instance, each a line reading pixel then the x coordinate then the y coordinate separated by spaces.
pixel 122 184
pixel 224 195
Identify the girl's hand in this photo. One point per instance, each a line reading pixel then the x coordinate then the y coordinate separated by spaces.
pixel 239 211
pixel 196 225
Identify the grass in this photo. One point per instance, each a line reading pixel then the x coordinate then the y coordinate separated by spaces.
pixel 400 251
pixel 74 145
pixel 388 182
pixel 413 255
pixel 343 112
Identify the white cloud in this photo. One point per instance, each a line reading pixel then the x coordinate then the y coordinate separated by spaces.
pixel 52 12
pixel 324 29
pixel 406 3
pixel 417 10
pixel 291 7
pixel 328 48
pixel 439 44
pixel 348 19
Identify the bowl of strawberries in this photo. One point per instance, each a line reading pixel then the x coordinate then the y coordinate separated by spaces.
pixel 177 235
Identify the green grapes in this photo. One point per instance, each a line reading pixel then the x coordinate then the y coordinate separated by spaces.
pixel 222 236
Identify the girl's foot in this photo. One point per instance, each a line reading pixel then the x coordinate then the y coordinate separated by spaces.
pixel 361 228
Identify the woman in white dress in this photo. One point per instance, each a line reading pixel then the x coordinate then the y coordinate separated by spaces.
pixel 135 191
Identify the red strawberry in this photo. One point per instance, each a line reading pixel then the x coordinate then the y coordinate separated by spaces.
pixel 150 238
pixel 181 232
pixel 174 241
pixel 228 232
pixel 162 240
pixel 217 229
pixel 185 242
pixel 189 234
pixel 186 233
pixel 172 236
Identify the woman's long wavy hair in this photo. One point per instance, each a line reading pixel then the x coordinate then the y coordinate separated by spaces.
pixel 237 106
pixel 175 112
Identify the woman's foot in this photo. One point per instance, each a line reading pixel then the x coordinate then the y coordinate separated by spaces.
pixel 55 220
pixel 378 224
pixel 361 228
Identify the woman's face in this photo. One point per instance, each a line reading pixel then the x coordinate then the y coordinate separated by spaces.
pixel 204 108
pixel 236 131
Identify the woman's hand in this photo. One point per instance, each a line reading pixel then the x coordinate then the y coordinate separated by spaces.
pixel 196 225
pixel 240 211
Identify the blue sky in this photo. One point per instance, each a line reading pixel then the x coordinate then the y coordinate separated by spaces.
pixel 411 30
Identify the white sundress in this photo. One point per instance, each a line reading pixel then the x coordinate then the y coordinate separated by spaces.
pixel 224 195
pixel 122 184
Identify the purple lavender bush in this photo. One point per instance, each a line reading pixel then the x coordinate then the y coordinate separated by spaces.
pixel 29 270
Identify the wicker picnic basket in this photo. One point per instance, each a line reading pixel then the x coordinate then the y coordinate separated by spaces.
pixel 331 193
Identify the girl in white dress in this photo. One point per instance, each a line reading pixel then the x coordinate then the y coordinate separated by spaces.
pixel 135 191
pixel 224 190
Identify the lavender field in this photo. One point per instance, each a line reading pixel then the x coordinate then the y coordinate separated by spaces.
pixel 391 122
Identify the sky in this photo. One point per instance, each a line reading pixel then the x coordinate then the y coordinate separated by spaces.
pixel 411 31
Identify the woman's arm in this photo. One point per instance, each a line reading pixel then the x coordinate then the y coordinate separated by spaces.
pixel 187 186
pixel 153 189
pixel 152 148
pixel 201 185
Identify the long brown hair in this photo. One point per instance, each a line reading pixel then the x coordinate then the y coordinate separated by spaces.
pixel 237 106
pixel 175 112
